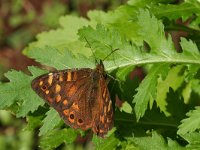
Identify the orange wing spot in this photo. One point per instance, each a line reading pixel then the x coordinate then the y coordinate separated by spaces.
pixel 106 99
pixel 61 78
pixel 104 109
pixel 41 83
pixel 50 79
pixel 66 112
pixel 58 98
pixel 65 102
pixel 102 119
pixel 74 76
pixel 71 91
pixel 109 105
pixel 58 88
pixel 75 107
pixel 69 76
pixel 104 93
pixel 47 91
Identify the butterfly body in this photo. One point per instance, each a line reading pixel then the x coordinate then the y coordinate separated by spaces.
pixel 80 96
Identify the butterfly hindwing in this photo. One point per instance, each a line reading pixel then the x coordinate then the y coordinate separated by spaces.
pixel 104 122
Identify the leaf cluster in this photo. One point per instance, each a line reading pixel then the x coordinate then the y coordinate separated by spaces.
pixel 159 112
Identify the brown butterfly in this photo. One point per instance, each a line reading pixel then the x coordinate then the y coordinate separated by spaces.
pixel 80 96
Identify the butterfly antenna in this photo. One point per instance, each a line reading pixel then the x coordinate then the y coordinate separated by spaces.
pixel 110 53
pixel 91 50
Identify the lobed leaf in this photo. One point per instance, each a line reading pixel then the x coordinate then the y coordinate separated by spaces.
pixel 18 90
pixel 54 138
pixel 110 142
pixel 64 37
pixel 147 89
pixel 51 120
pixel 174 79
pixel 157 143
pixel 191 123
pixel 60 59
pixel 192 139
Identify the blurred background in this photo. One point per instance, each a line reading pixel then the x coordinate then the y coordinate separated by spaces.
pixel 20 21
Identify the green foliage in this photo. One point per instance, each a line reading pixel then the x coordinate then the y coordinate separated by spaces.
pixel 157 143
pixel 56 137
pixel 64 37
pixel 52 119
pixel 18 92
pixel 192 139
pixel 134 35
pixel 110 143
pixel 147 90
pixel 192 123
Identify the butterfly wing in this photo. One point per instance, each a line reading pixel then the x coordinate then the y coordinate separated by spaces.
pixel 103 121
pixel 68 92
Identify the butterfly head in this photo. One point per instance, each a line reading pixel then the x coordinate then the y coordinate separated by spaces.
pixel 100 67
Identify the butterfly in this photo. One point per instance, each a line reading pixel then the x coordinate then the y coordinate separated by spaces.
pixel 80 96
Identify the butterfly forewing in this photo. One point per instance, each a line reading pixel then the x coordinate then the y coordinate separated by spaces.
pixel 81 97
pixel 66 92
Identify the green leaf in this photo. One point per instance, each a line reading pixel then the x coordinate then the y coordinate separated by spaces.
pixel 54 138
pixel 189 48
pixel 174 11
pixel 196 86
pixel 52 119
pixel 119 20
pixel 33 122
pixel 156 141
pixel 126 107
pixel 19 90
pixel 186 93
pixel 102 40
pixel 123 72
pixel 174 79
pixel 147 89
pixel 162 49
pixel 109 142
pixel 191 123
pixel 60 59
pixel 106 42
pixel 66 36
pixel 155 31
pixel 110 39
pixel 192 71
pixel 192 85
pixel 192 139
pixel 143 3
